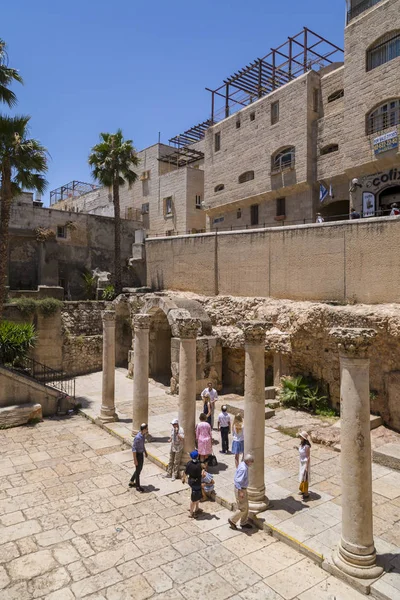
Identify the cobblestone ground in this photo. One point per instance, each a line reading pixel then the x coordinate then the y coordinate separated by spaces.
pixel 70 528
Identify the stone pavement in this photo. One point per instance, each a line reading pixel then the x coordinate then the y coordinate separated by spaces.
pixel 70 528
pixel 315 524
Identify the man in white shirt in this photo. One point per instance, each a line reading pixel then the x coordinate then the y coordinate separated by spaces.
pixel 213 398
pixel 224 426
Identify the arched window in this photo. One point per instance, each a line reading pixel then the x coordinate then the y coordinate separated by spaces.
pixel 284 159
pixel 336 95
pixel 247 176
pixel 385 115
pixel 386 48
pixel 219 187
pixel 329 149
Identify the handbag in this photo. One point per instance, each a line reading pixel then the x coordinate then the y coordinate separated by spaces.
pixel 212 461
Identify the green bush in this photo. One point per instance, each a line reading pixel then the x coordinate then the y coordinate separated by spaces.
pixel 48 306
pixel 89 285
pixel 109 293
pixel 15 340
pixel 26 306
pixel 303 394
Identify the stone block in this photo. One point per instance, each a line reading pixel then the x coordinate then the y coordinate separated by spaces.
pixel 388 456
pixel 19 414
pixel 270 392
pixel 375 421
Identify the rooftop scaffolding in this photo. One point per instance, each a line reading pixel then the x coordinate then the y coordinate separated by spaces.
pixel 191 136
pixel 295 57
pixel 74 189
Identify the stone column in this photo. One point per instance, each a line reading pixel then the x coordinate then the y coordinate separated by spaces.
pixel 355 554
pixel 254 411
pixel 107 412
pixel 140 412
pixel 187 330
pixel 280 367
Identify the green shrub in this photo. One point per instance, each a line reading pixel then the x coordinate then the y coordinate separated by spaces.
pixel 303 394
pixel 15 340
pixel 48 306
pixel 26 306
pixel 109 293
pixel 89 285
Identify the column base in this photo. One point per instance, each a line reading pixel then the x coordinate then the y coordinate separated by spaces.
pixel 356 565
pixel 108 418
pixel 258 506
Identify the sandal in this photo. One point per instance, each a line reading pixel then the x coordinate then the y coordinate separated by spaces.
pixel 193 516
pixel 198 511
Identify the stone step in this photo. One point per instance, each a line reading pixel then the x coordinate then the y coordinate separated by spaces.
pixel 375 422
pixel 272 403
pixel 270 392
pixel 19 414
pixel 388 456
pixel 234 410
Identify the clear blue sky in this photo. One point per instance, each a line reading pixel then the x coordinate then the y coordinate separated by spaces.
pixel 92 66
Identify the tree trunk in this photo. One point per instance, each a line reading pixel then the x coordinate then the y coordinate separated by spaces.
pixel 117 237
pixel 6 200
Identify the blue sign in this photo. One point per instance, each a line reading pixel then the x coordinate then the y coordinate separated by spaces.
pixel 386 142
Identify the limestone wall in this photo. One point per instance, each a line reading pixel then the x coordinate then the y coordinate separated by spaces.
pixel 346 262
pixel 16 389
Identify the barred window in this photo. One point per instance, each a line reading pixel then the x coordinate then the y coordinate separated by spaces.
pixel 247 176
pixel 336 95
pixel 329 149
pixel 384 116
pixel 285 159
pixel 383 50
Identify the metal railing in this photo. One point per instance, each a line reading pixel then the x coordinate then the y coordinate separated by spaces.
pixel 58 380
pixel 359 8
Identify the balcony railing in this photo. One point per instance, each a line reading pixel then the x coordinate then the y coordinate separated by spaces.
pixel 358 9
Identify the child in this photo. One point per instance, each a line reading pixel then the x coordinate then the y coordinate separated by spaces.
pixel 224 425
pixel 207 485
pixel 238 438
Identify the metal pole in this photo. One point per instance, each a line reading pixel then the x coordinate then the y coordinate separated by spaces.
pixel 273 70
pixel 260 78
pixel 227 100
pixel 305 49
pixel 212 106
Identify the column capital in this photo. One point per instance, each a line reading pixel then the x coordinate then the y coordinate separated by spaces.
pixel 278 341
pixel 108 316
pixel 254 331
pixel 141 321
pixel 353 341
pixel 186 328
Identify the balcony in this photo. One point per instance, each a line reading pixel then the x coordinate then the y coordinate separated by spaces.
pixel 357 8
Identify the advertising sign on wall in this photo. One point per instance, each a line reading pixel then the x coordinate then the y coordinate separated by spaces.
pixel 368 204
pixel 386 142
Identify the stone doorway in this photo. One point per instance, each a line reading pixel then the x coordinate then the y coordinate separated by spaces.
pixel 160 347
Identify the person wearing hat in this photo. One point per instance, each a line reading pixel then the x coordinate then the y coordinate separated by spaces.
pixel 194 473
pixel 305 458
pixel 395 210
pixel 139 451
pixel 175 455
pixel 320 218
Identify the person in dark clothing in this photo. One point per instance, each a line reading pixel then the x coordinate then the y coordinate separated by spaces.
pixel 139 451
pixel 354 214
pixel 194 471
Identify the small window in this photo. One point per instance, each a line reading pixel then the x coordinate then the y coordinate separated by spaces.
pixel 254 214
pixel 238 124
pixel 252 116
pixel 336 95
pixel 168 206
pixel 198 201
pixel 285 159
pixel 217 141
pixel 61 232
pixel 239 213
pixel 316 100
pixel 329 149
pixel 247 176
pixel 383 50
pixel 274 112
pixel 145 208
pixel 219 187
pixel 384 116
pixel 281 207
pixel 218 220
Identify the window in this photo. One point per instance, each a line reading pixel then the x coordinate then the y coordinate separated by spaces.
pixel 329 149
pixel 357 7
pixel 274 112
pixel 252 116
pixel 336 95
pixel 168 206
pixel 238 124
pixel 247 176
pixel 285 159
pixel 316 100
pixel 239 213
pixel 383 50
pixel 385 115
pixel 281 207
pixel 61 232
pixel 254 214
pixel 198 201
pixel 145 208
pixel 218 220
pixel 217 141
pixel 219 187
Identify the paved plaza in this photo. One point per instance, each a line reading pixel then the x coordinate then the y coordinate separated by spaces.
pixel 70 528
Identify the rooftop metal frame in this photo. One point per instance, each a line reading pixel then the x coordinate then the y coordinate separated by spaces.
pixel 73 189
pixel 298 55
pixel 181 157
pixel 191 136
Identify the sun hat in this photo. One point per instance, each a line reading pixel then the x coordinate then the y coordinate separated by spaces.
pixel 194 454
pixel 304 435
pixel 174 422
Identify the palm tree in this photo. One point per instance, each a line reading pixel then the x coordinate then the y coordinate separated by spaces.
pixel 111 162
pixel 23 162
pixel 7 77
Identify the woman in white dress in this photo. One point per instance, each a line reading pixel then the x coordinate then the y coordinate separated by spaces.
pixel 305 458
